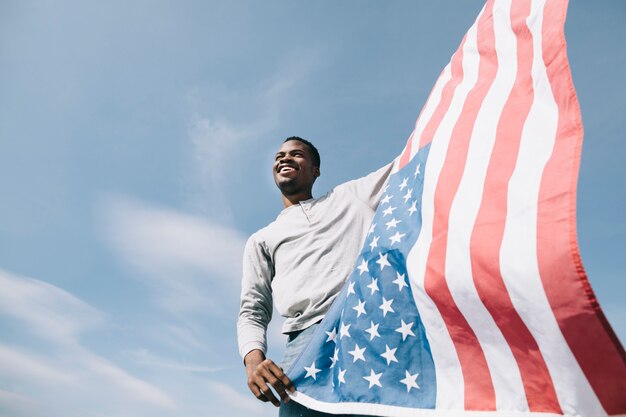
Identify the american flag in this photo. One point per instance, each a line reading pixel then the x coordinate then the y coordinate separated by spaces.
pixel 469 296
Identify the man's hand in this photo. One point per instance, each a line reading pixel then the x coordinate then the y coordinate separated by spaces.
pixel 261 372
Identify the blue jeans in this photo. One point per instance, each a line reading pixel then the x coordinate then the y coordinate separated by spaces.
pixel 296 342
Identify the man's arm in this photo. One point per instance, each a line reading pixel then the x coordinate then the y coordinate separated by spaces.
pixel 369 189
pixel 254 316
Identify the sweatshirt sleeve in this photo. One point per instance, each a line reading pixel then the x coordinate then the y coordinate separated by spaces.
pixel 369 189
pixel 255 310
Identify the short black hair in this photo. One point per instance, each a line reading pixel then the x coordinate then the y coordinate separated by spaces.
pixel 314 152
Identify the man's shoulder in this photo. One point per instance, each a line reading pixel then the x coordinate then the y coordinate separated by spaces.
pixel 261 235
pixel 258 236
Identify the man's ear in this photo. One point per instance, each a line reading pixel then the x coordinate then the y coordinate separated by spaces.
pixel 317 172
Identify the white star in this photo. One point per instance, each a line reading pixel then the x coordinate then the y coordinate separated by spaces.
pixel 399 281
pixel 413 209
pixel 390 355
pixel 403 185
pixel 408 195
pixel 386 307
pixel 332 336
pixel 410 381
pixel 382 261
pixel 360 308
pixel 373 379
pixel 311 371
pixel 357 353
pixel 351 288
pixel 393 223
pixel 385 189
pixel 343 331
pixel 341 377
pixel 388 211
pixel 369 232
pixel 417 170
pixel 363 267
pixel 374 242
pixel 373 285
pixel 334 358
pixel 396 238
pixel 385 199
pixel 373 330
pixel 405 329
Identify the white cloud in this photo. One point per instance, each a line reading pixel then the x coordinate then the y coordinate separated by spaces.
pixel 189 261
pixel 61 376
pixel 182 338
pixel 234 402
pixel 133 388
pixel 18 365
pixel 48 311
pixel 145 357
pixel 152 238
pixel 55 371
pixel 17 405
pixel 217 141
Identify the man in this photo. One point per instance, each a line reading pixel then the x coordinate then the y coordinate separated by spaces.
pixel 300 262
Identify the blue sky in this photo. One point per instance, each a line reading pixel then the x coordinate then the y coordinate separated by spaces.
pixel 136 141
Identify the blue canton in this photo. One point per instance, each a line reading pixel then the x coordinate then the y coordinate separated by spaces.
pixel 371 347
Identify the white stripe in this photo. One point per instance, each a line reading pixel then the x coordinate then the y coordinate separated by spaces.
pixel 505 374
pixel 394 411
pixel 429 108
pixel 450 386
pixel 518 256
pixel 427 112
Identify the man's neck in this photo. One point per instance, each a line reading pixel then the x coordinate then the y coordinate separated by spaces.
pixel 290 200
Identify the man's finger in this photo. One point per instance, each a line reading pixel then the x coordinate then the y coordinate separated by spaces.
pixel 267 393
pixel 256 391
pixel 278 387
pixel 285 382
pixel 280 374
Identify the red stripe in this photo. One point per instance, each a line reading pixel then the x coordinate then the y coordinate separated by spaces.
pixel 489 230
pixel 405 157
pixel 456 76
pixel 585 328
pixel 479 390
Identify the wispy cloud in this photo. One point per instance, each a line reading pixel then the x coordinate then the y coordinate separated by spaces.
pixel 17 405
pixel 61 375
pixel 46 310
pixel 18 365
pixel 134 388
pixel 218 138
pixel 57 370
pixel 145 357
pixel 236 401
pixel 182 338
pixel 189 262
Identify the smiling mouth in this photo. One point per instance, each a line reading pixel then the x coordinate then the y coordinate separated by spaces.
pixel 286 168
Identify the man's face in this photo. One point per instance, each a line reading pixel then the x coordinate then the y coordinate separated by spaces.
pixel 294 171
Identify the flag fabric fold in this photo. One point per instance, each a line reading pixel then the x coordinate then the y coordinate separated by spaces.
pixel 469 296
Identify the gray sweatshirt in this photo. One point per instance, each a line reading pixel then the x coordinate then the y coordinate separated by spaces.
pixel 301 260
